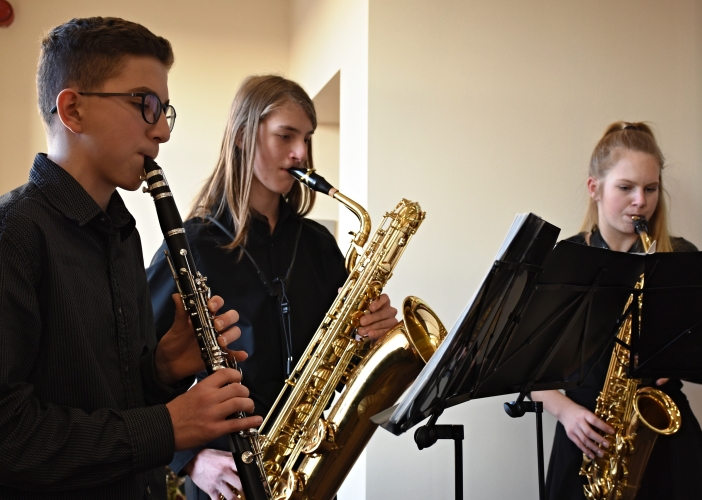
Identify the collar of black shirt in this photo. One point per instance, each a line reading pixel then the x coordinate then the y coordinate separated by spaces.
pixel 260 223
pixel 596 240
pixel 68 197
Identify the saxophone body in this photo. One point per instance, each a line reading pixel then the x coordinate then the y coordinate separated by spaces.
pixel 195 293
pixel 308 455
pixel 638 415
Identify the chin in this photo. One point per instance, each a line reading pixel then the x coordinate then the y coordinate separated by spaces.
pixel 285 188
pixel 132 185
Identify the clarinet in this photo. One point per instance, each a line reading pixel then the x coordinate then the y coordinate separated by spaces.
pixel 194 292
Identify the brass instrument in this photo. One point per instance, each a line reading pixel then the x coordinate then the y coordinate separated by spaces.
pixel 638 416
pixel 307 455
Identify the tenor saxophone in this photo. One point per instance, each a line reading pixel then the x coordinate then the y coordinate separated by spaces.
pixel 307 455
pixel 194 293
pixel 638 415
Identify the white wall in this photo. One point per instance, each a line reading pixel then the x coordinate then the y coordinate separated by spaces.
pixel 480 110
pixel 329 37
pixel 216 43
pixel 326 37
pixel 325 149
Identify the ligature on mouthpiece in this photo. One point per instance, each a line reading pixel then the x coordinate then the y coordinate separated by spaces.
pixel 312 180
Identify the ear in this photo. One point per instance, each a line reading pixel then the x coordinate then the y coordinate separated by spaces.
pixel 593 186
pixel 239 138
pixel 69 111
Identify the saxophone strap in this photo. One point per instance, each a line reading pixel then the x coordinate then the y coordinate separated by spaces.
pixel 276 288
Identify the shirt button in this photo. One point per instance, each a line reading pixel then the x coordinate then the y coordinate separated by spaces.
pixel 119 310
pixel 126 368
pixel 148 490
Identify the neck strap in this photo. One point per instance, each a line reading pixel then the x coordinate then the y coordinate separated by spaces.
pixel 276 288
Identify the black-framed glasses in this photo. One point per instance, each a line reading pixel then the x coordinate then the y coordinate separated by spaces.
pixel 151 106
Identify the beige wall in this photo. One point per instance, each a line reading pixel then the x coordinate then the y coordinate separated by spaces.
pixel 217 43
pixel 481 110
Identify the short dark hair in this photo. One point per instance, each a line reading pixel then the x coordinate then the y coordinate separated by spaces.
pixel 86 52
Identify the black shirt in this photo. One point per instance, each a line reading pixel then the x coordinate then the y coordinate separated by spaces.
pixel 81 413
pixel 315 278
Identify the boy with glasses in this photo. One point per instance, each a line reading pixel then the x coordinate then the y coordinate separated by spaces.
pixel 91 406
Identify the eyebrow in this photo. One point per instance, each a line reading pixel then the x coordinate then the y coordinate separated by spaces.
pixel 293 129
pixel 623 179
pixel 149 90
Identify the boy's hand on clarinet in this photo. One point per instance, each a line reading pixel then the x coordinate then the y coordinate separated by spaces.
pixel 200 415
pixel 178 352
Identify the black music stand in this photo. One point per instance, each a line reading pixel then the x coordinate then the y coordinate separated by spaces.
pixel 665 344
pixel 538 316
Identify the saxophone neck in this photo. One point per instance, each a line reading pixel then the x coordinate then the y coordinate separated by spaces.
pixel 361 236
pixel 641 228
pixel 316 182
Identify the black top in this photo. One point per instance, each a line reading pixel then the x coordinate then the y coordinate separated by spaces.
pixel 676 461
pixel 315 278
pixel 80 405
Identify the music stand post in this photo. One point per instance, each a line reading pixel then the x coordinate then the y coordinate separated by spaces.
pixel 519 408
pixel 427 435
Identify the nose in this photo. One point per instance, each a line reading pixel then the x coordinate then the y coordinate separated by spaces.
pixel 639 198
pixel 299 151
pixel 159 131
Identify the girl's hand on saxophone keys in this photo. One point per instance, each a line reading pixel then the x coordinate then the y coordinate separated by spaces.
pixel 178 352
pixel 580 424
pixel 214 472
pixel 379 318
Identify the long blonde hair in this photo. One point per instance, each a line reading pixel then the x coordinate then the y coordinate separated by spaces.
pixel 619 137
pixel 229 186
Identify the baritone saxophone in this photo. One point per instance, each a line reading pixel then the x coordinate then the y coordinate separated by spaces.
pixel 638 415
pixel 307 455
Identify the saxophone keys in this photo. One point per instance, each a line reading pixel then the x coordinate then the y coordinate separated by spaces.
pixel 290 486
pixel 356 317
pixel 321 438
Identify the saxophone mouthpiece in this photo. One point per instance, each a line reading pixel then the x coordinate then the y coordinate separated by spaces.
pixel 312 180
pixel 641 228
pixel 640 224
